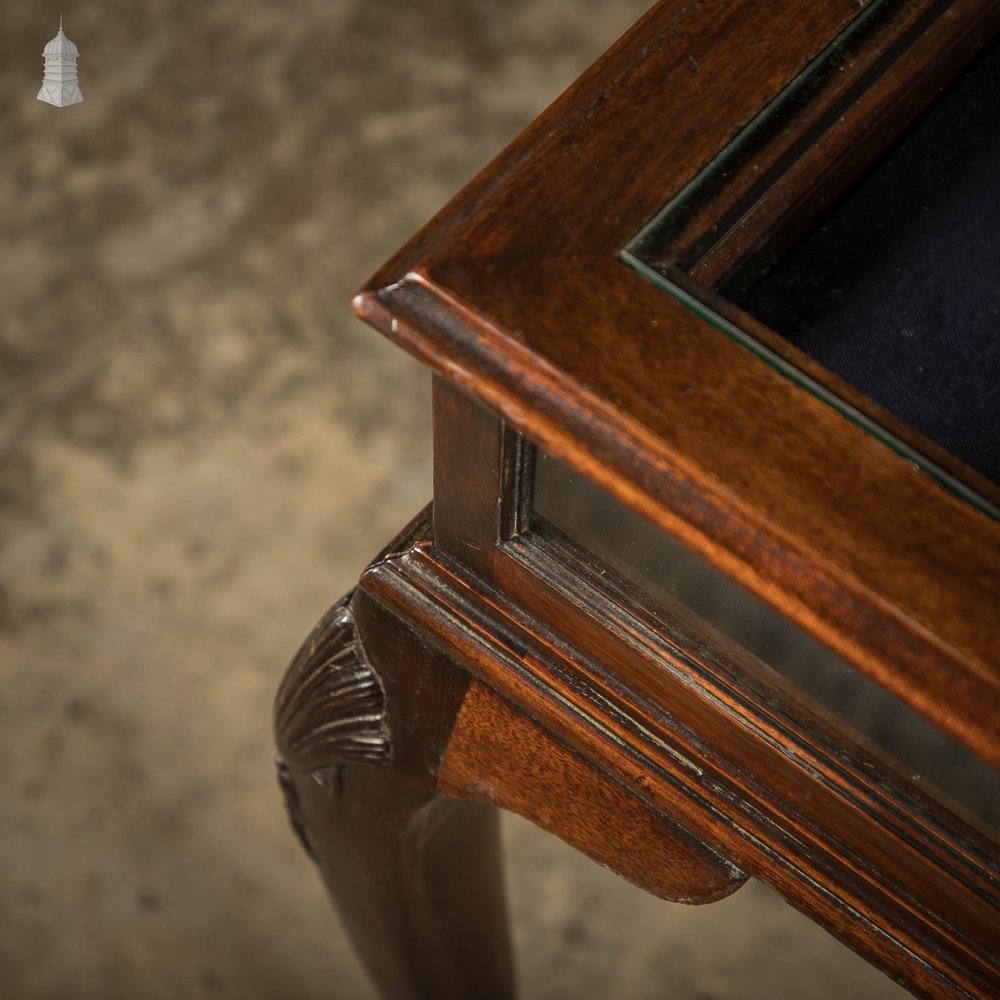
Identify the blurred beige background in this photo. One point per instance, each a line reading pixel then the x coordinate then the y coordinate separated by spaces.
pixel 199 451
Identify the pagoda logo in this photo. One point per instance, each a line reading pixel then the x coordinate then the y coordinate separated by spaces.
pixel 60 85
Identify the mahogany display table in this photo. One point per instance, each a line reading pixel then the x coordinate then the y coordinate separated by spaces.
pixel 706 599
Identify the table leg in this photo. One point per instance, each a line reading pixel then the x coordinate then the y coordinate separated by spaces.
pixel 362 718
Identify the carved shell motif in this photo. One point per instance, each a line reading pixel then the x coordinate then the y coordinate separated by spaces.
pixel 330 710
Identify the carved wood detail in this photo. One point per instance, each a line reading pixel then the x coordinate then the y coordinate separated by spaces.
pixel 330 710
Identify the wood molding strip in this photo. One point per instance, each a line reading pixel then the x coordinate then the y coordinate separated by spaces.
pixel 874 894
pixel 853 615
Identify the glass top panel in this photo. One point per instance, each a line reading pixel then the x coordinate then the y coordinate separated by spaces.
pixel 664 569
pixel 896 288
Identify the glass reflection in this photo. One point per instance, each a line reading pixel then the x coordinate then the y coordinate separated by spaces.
pixel 661 566
pixel 894 289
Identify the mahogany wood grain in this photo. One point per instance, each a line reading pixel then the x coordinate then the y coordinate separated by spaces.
pixel 744 765
pixel 517 296
pixel 498 755
pixel 903 58
pixel 416 876
pixel 779 187
pixel 482 478
pixel 608 720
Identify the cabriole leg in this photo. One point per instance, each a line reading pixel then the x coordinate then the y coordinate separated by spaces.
pixel 361 720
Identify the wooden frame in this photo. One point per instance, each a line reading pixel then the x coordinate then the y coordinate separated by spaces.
pixel 517 297
pixel 524 302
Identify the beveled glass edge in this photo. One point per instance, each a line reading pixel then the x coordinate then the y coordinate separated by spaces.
pixel 691 301
pixel 656 232
pixel 639 248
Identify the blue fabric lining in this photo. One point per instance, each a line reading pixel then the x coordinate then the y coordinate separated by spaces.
pixel 897 288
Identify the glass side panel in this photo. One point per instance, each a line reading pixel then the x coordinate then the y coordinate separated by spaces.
pixel 896 288
pixel 661 566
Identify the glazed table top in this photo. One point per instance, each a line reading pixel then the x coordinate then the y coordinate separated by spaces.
pixel 685 408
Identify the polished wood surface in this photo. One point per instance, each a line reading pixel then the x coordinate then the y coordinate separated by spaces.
pixel 889 63
pixel 497 661
pixel 416 876
pixel 516 293
pixel 737 759
pixel 482 479
pixel 497 754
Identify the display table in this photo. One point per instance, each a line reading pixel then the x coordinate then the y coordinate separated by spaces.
pixel 694 594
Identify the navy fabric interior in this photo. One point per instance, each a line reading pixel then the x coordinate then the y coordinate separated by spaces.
pixel 897 288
